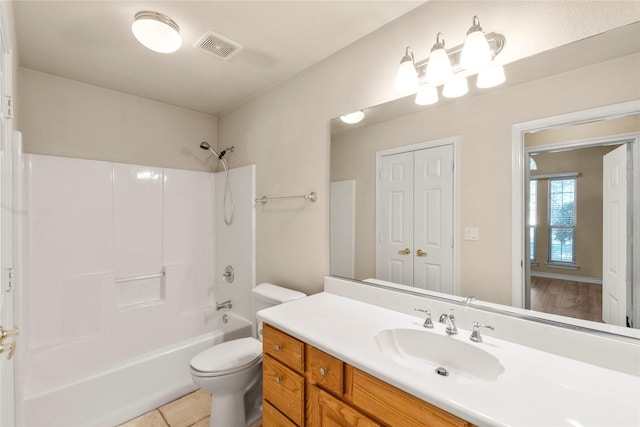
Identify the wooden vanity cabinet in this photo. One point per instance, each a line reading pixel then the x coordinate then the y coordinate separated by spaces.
pixel 303 386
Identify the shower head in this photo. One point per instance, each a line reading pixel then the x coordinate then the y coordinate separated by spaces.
pixel 229 149
pixel 205 146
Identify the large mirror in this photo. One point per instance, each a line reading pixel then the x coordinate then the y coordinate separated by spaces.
pixel 522 167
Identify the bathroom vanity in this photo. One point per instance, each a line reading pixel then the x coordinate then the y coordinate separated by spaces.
pixel 335 361
pixel 306 386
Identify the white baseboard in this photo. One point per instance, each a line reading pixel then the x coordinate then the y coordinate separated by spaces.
pixel 593 280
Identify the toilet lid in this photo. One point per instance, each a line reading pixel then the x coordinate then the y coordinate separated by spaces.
pixel 228 357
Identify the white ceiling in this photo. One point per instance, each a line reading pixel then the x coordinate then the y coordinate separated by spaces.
pixel 91 42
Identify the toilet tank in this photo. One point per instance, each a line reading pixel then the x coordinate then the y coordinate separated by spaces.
pixel 266 295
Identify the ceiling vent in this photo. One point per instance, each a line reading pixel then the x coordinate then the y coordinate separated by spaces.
pixel 218 46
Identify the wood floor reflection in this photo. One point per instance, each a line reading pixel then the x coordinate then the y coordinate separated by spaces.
pixel 567 298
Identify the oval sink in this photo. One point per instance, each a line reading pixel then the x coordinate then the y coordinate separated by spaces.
pixel 430 351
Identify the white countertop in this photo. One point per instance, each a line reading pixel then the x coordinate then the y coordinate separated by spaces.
pixel 536 388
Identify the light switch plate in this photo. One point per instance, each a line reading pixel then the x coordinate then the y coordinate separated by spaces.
pixel 471 233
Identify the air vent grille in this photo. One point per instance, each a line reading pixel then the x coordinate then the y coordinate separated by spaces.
pixel 218 46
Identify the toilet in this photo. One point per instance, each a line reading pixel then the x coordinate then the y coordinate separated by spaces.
pixel 232 371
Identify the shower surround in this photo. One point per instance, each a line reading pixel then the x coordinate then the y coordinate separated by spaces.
pixel 123 269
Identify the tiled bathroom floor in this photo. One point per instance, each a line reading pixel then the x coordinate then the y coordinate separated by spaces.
pixel 191 410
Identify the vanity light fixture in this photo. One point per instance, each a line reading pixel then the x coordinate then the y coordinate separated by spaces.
pixel 407 77
pixel 491 76
pixel 353 118
pixel 476 52
pixel 439 66
pixel 451 67
pixel 156 31
pixel 427 95
pixel 455 87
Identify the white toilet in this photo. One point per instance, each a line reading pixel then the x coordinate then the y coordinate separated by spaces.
pixel 232 371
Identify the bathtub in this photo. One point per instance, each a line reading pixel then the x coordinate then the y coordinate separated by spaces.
pixel 130 388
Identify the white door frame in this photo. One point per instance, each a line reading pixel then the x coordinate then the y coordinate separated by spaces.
pixel 519 167
pixel 456 142
pixel 7 394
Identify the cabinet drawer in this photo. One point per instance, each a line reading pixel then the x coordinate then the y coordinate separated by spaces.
pixel 283 347
pixel 271 417
pixel 392 405
pixel 283 388
pixel 324 370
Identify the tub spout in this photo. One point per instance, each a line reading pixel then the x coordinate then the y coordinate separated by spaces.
pixel 221 305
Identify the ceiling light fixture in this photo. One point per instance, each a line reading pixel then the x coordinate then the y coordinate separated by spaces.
pixel 451 67
pixel 353 118
pixel 157 32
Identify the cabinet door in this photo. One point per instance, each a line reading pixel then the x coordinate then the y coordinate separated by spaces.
pixel 283 388
pixel 332 412
pixel 394 406
pixel 271 417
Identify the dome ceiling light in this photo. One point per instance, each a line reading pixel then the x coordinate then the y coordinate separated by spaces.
pixel 157 32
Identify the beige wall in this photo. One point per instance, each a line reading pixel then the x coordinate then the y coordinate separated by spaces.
pixel 285 131
pixel 63 117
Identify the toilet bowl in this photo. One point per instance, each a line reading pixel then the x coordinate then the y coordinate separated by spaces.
pixel 232 371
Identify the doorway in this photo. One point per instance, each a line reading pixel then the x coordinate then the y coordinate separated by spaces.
pixel 569 234
pixel 602 116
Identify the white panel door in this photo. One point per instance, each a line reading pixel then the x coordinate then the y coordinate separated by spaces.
pixel 396 218
pixel 614 267
pixel 433 219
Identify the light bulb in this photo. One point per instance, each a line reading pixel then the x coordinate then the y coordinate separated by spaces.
pixel 455 88
pixel 491 76
pixel 439 65
pixel 476 52
pixel 407 76
pixel 427 95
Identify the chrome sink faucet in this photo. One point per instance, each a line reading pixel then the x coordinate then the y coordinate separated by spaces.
pixel 427 322
pixel 475 334
pixel 450 321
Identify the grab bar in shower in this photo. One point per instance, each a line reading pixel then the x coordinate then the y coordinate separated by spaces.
pixel 143 277
pixel 312 197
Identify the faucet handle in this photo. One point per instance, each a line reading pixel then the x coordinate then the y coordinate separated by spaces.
pixel 475 334
pixel 427 322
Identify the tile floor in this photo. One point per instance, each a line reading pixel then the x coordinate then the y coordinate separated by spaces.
pixel 191 410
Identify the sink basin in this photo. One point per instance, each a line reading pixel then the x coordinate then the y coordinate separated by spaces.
pixel 429 352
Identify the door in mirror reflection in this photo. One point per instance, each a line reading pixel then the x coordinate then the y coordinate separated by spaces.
pixel 415 208
pixel 614 225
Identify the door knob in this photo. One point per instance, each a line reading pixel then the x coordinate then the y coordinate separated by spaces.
pixel 4 333
pixel 420 252
pixel 11 347
pixel 405 251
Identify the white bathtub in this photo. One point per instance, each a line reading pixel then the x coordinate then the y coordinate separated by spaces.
pixel 129 389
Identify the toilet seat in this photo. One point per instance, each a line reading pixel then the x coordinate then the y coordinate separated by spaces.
pixel 227 358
